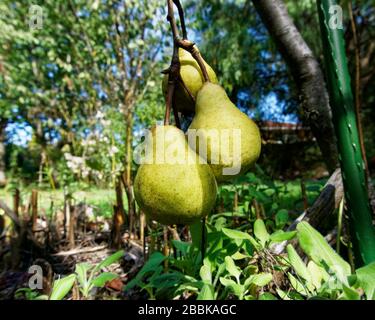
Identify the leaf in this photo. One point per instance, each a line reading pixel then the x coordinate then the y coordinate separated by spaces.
pixel 181 246
pixel 280 236
pixel 152 265
pixel 317 248
pixel 260 232
pixel 235 234
pixel 349 294
pixel 205 274
pixel 232 268
pixel 103 278
pixel 234 287
pixel 260 279
pixel 267 296
pixel 207 293
pixel 109 260
pixel 297 264
pixel 366 280
pixel 239 256
pixel 298 286
pixel 61 287
pixel 318 274
pixel 282 294
pixel 281 218
pixel 81 271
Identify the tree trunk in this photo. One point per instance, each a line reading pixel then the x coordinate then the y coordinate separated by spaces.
pixel 306 73
pixel 2 153
pixel 119 216
pixel 126 177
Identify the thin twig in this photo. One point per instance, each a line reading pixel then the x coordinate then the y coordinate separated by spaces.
pixel 182 18
pixel 174 70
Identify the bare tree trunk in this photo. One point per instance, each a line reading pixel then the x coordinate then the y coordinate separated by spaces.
pixel 119 216
pixel 71 232
pixel 127 178
pixel 34 208
pixel 2 153
pixel 306 73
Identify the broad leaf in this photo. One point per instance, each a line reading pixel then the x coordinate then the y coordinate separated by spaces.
pixel 280 236
pixel 260 280
pixel 207 293
pixel 103 278
pixel 260 232
pixel 317 248
pixel 366 280
pixel 232 268
pixel 109 260
pixel 297 264
pixel 61 287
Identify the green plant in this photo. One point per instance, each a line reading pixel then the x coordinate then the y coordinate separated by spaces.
pixel 326 275
pixel 86 275
pixel 89 276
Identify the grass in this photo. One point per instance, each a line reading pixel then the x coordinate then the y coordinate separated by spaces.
pixel 102 199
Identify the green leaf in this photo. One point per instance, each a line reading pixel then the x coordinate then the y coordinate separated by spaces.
pixel 282 294
pixel 61 287
pixel 317 248
pixel 281 218
pixel 205 274
pixel 109 260
pixel 297 264
pixel 349 294
pixel 267 296
pixel 206 293
pixel 234 287
pixel 181 246
pixel 297 285
pixel 232 268
pixel 317 273
pixel 260 232
pixel 239 256
pixel 235 234
pixel 366 280
pixel 103 278
pixel 81 271
pixel 260 279
pixel 280 236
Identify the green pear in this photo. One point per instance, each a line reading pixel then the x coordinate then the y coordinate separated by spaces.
pixel 174 185
pixel 193 79
pixel 225 136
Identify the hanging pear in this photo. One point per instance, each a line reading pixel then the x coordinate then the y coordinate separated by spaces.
pixel 225 136
pixel 193 79
pixel 174 185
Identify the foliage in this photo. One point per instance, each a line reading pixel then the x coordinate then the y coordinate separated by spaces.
pixel 241 265
pixel 86 276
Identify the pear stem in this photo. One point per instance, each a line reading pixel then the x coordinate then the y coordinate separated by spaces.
pixel 173 71
pixel 182 18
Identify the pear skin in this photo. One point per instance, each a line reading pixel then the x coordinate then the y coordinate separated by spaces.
pixel 193 79
pixel 175 185
pixel 235 149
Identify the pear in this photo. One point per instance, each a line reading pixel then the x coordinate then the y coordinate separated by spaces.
pixel 173 185
pixel 225 136
pixel 193 79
